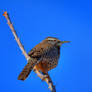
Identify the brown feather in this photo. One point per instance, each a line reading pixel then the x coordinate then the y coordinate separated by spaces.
pixel 27 69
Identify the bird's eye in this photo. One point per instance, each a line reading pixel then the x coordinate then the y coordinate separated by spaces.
pixel 49 40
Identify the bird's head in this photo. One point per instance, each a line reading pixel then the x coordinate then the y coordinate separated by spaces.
pixel 55 41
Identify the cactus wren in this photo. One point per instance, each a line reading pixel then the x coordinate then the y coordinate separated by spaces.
pixel 44 57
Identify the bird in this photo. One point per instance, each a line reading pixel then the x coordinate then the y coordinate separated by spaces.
pixel 44 57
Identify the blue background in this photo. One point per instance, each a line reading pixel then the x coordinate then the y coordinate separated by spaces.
pixel 36 19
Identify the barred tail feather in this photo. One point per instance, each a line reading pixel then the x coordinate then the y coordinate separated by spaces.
pixel 26 71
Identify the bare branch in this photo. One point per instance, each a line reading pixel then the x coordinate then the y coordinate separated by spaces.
pixel 50 83
pixel 15 35
pixel 47 79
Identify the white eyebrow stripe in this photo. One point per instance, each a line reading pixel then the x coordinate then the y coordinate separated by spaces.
pixel 51 39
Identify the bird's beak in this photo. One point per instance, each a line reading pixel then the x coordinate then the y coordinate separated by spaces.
pixel 62 42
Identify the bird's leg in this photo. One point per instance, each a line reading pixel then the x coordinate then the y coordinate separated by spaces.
pixel 42 76
pixel 45 77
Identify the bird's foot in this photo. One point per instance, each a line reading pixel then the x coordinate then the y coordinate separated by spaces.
pixel 43 77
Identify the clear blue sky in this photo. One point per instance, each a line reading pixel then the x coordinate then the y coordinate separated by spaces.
pixel 36 19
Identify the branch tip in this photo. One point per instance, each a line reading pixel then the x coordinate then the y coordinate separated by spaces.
pixel 5 13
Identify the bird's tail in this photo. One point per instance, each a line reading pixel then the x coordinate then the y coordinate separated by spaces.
pixel 26 71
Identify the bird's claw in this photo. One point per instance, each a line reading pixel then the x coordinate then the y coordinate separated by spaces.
pixel 43 77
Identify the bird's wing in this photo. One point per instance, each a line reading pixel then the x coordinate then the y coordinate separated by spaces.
pixel 39 50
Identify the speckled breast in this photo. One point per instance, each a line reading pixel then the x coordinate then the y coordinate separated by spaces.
pixel 51 58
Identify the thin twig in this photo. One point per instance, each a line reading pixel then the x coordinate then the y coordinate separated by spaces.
pixel 48 79
pixel 15 35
